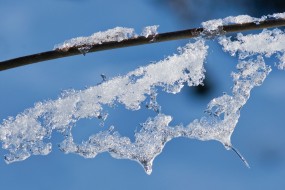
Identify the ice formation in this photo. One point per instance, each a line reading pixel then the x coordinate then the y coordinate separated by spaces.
pixel 214 26
pixel 115 34
pixel 219 123
pixel 266 43
pixel 150 31
pixel 28 133
pixel 278 15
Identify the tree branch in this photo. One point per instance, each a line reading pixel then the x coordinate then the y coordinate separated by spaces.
pixel 140 40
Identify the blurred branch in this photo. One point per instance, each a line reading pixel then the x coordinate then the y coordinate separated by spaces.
pixel 140 40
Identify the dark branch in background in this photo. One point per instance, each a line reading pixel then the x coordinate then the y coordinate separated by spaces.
pixel 177 35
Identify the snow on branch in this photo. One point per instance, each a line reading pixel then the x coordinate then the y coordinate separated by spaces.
pixel 117 34
pixel 29 132
pixel 125 37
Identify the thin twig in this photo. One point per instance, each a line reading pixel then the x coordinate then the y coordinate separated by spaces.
pixel 140 40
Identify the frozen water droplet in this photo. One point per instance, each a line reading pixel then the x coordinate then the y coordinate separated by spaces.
pixel 147 166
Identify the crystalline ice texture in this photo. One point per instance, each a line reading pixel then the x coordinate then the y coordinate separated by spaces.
pixel 215 24
pixel 150 31
pixel 266 43
pixel 112 35
pixel 27 133
pixel 117 34
pixel 219 123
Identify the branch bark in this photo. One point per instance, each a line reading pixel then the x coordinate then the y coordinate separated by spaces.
pixel 140 40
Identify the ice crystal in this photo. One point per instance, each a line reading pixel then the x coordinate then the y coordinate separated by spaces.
pixel 150 31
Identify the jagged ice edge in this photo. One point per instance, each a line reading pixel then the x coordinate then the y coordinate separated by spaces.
pixel 266 43
pixel 219 123
pixel 27 134
pixel 223 112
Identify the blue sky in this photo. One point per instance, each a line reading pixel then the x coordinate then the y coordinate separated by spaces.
pixel 31 26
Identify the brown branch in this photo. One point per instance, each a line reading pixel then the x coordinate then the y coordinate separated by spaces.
pixel 177 35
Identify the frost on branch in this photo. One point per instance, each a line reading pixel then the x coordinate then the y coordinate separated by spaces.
pixel 116 34
pixel 29 132
pixel 214 24
pixel 150 31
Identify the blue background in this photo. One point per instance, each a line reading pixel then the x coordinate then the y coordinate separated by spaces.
pixel 31 26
